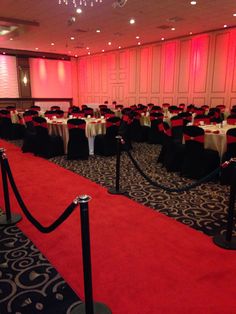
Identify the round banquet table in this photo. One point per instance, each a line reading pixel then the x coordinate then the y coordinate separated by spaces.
pixel 215 137
pixel 94 127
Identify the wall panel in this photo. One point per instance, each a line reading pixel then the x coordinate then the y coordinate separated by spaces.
pixel 197 69
pixel 184 66
pixel 200 53
pixel 169 67
pixel 220 62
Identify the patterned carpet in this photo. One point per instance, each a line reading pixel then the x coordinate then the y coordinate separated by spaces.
pixel 28 282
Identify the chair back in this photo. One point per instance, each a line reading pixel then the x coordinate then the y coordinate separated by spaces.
pixel 37 108
pixel 231 142
pixel 194 139
pixel 231 119
pixel 201 117
pixel 112 126
pixel 55 107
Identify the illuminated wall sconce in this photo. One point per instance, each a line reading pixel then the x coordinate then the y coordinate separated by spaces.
pixel 25 79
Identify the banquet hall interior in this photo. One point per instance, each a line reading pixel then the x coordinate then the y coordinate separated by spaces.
pixel 117 156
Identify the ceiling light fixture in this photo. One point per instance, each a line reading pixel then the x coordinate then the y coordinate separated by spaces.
pixel 132 21
pixel 80 2
pixel 193 2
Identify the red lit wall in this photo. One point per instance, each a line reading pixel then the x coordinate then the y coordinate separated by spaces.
pixel 8 77
pixel 50 78
pixel 196 69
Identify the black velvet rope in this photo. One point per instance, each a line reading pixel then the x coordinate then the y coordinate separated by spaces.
pixel 67 212
pixel 182 189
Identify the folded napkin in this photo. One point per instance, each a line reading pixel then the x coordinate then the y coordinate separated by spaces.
pixel 207 131
pixel 216 132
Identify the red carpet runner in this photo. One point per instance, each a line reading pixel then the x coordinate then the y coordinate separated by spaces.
pixel 143 262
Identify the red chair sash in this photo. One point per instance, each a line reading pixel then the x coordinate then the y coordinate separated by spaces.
pixel 28 118
pixel 231 121
pixel 109 115
pixel 43 125
pixel 168 132
pixel 160 127
pixel 76 126
pixel 199 138
pixel 231 139
pixel 127 119
pixel 7 115
pixel 109 124
pixel 178 122
pixel 49 115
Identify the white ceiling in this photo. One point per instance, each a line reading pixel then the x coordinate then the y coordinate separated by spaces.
pixel 55 23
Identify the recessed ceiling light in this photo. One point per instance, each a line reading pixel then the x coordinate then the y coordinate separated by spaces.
pixel 119 47
pixel 89 53
pixel 132 21
pixel 72 38
pixel 137 37
pixel 225 25
pixel 109 43
pixel 36 48
pixel 52 44
pixel 69 52
pixel 103 50
pixel 87 48
pixel 79 11
pixel 139 43
pixel 98 31
pixel 190 33
pixel 162 38
pixel 11 38
pixel 4 53
pixel 234 14
pixel 173 28
pixel 193 2
pixel 76 56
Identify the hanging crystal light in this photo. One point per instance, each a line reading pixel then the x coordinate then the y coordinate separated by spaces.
pixel 80 2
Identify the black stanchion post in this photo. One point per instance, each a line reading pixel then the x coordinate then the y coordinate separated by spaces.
pixel 117 189
pixel 8 218
pixel 88 307
pixel 227 241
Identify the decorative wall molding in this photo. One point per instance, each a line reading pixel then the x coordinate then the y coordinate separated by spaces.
pixel 199 69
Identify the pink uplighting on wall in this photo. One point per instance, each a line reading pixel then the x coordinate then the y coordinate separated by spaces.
pixel 8 77
pixel 50 78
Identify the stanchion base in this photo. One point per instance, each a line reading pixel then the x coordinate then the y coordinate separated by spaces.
pixel 221 241
pixel 117 192
pixel 15 218
pixel 98 308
